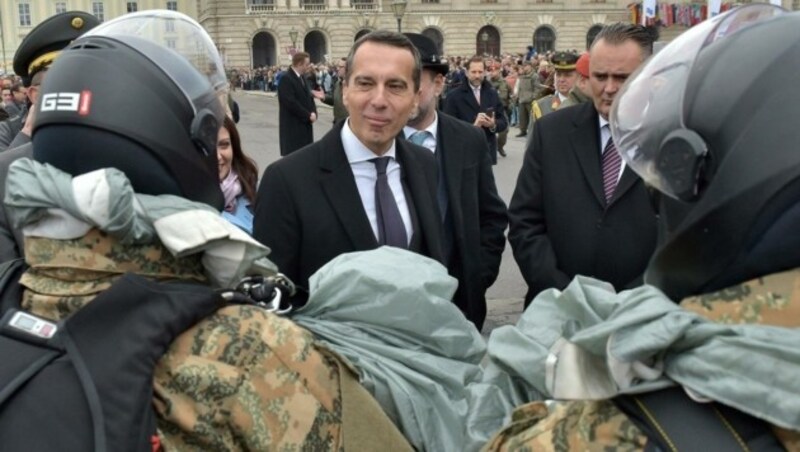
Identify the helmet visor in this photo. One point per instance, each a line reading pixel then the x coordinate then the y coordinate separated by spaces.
pixel 174 35
pixel 650 104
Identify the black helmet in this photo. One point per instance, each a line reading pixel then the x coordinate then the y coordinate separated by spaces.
pixel 141 93
pixel 711 121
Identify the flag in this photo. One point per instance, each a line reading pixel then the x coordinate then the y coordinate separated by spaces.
pixel 648 10
pixel 714 7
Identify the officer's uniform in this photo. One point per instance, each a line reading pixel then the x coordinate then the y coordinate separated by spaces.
pixel 562 62
pixel 36 52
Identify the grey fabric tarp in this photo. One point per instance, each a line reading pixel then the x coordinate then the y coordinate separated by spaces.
pixel 389 312
pixel 589 342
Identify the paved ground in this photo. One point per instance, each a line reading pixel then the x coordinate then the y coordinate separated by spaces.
pixel 258 127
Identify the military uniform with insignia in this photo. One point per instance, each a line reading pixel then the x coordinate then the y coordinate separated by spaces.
pixel 36 52
pixel 563 62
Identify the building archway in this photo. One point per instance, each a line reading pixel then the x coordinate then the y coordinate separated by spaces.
pixel 438 39
pixel 360 33
pixel 316 46
pixel 544 39
pixel 487 41
pixel 264 50
pixel 591 34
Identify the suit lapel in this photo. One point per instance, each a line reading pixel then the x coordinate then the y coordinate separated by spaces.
pixel 625 183
pixel 340 187
pixel 453 162
pixel 585 144
pixel 422 192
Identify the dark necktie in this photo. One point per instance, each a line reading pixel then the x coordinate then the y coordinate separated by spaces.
pixel 611 164
pixel 391 229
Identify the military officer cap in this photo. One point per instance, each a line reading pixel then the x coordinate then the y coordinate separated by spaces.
pixel 43 44
pixel 427 53
pixel 565 61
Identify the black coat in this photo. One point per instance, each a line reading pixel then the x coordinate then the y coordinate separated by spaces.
pixel 295 104
pixel 461 104
pixel 560 225
pixel 308 209
pixel 478 217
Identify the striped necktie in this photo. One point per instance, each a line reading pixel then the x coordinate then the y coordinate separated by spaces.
pixel 611 163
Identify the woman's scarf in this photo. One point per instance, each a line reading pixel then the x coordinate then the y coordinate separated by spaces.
pixel 231 189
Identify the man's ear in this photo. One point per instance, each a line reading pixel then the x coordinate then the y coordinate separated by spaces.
pixel 438 85
pixel 33 93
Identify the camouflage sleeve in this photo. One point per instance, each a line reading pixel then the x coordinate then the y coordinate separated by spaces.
pixel 244 379
pixel 580 425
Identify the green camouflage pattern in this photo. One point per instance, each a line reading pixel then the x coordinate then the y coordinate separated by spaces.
pixel 66 274
pixel 600 426
pixel 770 300
pixel 568 426
pixel 241 379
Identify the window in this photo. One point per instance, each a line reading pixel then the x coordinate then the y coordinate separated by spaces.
pixel 172 5
pixel 363 4
pixel 61 7
pixel 261 5
pixel 430 1
pixel 171 43
pixel 169 26
pixel 544 40
pixel 24 15
pixel 133 7
pixel 591 34
pixel 99 11
pixel 314 4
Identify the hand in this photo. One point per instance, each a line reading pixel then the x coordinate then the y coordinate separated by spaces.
pixel 319 94
pixel 313 117
pixel 483 120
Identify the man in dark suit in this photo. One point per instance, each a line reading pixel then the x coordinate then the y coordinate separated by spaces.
pixel 474 216
pixel 360 186
pixel 576 209
pixel 488 114
pixel 297 110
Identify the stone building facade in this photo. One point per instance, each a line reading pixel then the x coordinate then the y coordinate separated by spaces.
pixel 18 17
pixel 259 32
pixel 254 33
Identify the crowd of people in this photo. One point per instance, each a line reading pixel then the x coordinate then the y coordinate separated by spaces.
pixel 337 303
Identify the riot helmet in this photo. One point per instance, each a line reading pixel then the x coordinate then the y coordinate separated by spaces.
pixel 710 122
pixel 142 93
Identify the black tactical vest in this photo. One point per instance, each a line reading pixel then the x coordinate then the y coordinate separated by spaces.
pixel 86 383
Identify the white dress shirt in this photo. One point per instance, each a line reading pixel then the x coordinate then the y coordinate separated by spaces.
pixel 366 175
pixel 430 140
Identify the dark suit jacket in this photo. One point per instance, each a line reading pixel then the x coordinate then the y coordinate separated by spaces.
pixel 478 217
pixel 11 241
pixel 295 104
pixel 560 225
pixel 461 103
pixel 308 209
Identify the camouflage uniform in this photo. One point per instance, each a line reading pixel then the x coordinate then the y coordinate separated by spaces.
pixel 600 425
pixel 504 92
pixel 241 379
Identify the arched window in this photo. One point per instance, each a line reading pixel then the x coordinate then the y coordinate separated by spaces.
pixel 315 45
pixel 361 33
pixel 591 34
pixel 544 39
pixel 487 41
pixel 437 38
pixel 264 50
